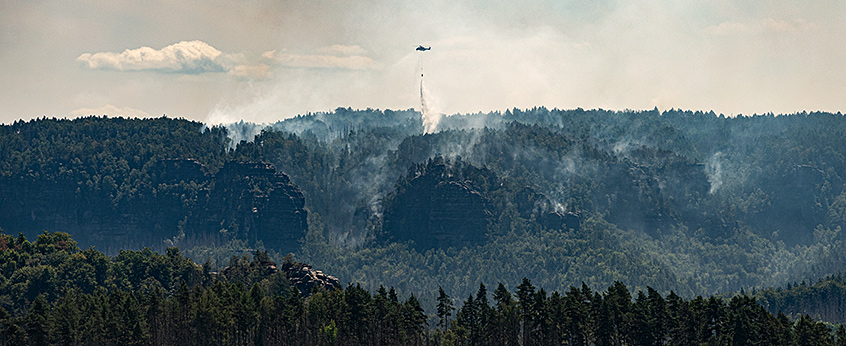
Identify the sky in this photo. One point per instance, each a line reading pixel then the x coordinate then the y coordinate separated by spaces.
pixel 221 61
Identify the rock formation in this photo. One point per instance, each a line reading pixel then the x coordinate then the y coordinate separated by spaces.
pixel 306 279
pixel 252 200
pixel 248 200
pixel 531 203
pixel 300 275
pixel 439 208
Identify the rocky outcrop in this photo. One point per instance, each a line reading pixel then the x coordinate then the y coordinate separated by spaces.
pixel 306 279
pixel 438 208
pixel 793 198
pixel 530 203
pixel 568 221
pixel 176 170
pixel 252 200
pixel 94 212
pixel 300 275
pixel 247 200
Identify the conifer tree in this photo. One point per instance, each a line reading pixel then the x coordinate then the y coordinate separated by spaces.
pixel 445 309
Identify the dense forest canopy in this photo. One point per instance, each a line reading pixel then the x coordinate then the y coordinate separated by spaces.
pixel 52 293
pixel 824 300
pixel 693 202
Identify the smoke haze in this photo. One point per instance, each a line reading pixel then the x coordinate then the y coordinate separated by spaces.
pixel 298 57
pixel 714 169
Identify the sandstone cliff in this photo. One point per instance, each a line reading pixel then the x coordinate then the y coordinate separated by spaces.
pixel 248 200
pixel 439 207
pixel 252 200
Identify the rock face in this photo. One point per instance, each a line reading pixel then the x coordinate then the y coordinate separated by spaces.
pixel 93 214
pixel 248 200
pixel 793 198
pixel 531 203
pixel 300 275
pixel 438 208
pixel 176 170
pixel 306 279
pixel 564 221
pixel 254 201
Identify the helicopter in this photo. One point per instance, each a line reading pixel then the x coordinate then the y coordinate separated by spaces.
pixel 423 49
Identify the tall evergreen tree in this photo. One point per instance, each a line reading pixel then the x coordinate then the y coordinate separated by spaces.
pixel 525 296
pixel 444 308
pixel 506 317
pixel 413 321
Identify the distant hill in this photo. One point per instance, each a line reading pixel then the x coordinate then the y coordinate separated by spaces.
pixel 125 183
pixel 694 202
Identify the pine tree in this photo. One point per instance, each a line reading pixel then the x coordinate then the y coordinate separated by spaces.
pixel 6 324
pixel 680 321
pixel 657 316
pixel 445 309
pixel 506 318
pixel 604 327
pixel 618 300
pixel 840 334
pixel 577 311
pixel 481 331
pixel 542 325
pixel 525 296
pixel 357 321
pixel 413 321
pixel 14 335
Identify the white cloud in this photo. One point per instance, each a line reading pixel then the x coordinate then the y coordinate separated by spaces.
pixel 110 110
pixel 485 55
pixel 195 57
pixel 191 57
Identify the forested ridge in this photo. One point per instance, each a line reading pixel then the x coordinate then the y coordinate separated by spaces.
pixel 57 294
pixel 690 202
pixel 823 299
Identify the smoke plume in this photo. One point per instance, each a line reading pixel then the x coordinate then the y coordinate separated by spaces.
pixel 714 170
pixel 236 130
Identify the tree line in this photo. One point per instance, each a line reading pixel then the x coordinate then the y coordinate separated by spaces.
pixel 231 314
pixel 690 201
pixel 824 300
pixel 144 298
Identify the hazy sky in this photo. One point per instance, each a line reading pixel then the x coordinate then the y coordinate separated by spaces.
pixel 218 60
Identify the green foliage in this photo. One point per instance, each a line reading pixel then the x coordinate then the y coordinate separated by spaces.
pixel 689 201
pixel 56 173
pixel 125 310
pixel 52 270
pixel 692 202
pixel 824 300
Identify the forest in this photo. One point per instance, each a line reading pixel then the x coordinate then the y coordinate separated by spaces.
pixel 688 202
pixel 57 294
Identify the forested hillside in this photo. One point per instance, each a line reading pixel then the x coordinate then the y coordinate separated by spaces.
pixel 693 202
pixel 52 293
pixel 120 183
pixel 824 300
